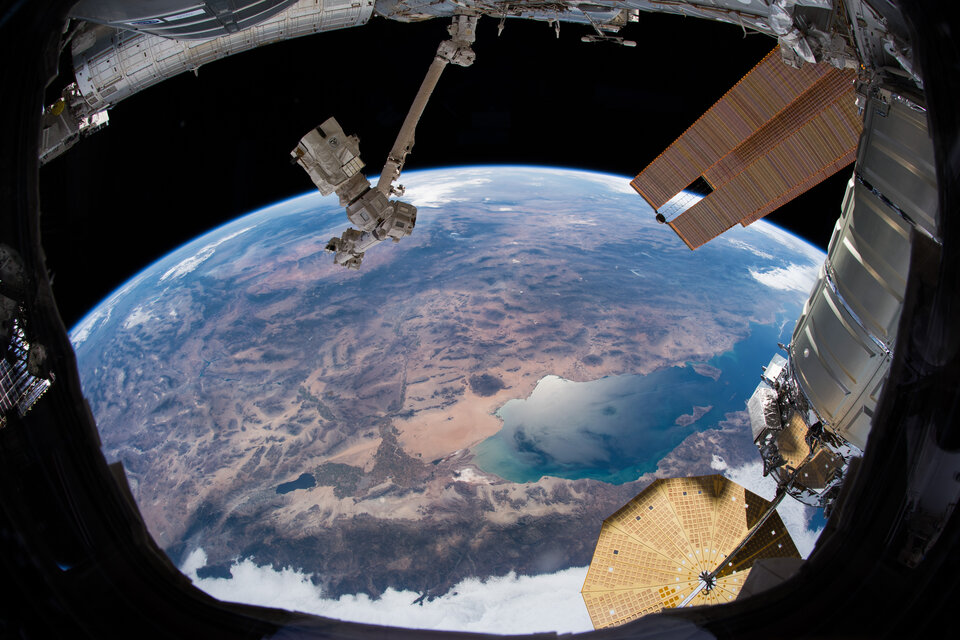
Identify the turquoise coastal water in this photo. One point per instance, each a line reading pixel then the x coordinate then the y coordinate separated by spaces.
pixel 619 427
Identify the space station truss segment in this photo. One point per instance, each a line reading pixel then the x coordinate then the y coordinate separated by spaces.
pixel 651 553
pixel 778 132
pixel 21 384
pixel 112 65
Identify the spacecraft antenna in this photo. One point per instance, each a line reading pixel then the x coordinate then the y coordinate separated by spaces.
pixel 680 542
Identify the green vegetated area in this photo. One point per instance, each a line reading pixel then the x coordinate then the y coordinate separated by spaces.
pixel 344 478
pixel 390 462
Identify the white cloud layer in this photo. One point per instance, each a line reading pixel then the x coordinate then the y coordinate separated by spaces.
pixel 511 604
pixel 137 317
pixel 781 238
pixel 184 267
pixel 794 277
pixel 439 192
pixel 718 463
pixel 102 312
pixel 505 605
pixel 746 246
pixel 618 184
pixel 615 183
pixel 83 329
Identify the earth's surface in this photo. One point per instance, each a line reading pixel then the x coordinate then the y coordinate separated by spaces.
pixel 268 405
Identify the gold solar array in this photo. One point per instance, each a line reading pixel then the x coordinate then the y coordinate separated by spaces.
pixel 794 449
pixel 778 132
pixel 651 552
pixel 771 541
pixel 790 441
pixel 814 474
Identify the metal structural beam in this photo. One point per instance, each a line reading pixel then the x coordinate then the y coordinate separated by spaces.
pixel 111 65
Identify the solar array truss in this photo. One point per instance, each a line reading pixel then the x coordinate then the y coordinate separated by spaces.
pixel 19 387
pixel 652 552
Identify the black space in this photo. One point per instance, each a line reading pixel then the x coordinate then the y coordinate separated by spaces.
pixel 196 151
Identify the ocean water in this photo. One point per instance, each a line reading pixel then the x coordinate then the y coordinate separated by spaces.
pixel 619 427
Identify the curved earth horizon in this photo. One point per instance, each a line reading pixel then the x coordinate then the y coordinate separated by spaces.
pixel 434 440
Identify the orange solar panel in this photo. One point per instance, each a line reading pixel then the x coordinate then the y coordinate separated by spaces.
pixel 775 134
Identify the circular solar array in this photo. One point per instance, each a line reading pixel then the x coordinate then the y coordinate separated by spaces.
pixel 652 552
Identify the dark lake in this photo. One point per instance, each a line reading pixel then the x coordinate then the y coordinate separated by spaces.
pixel 305 481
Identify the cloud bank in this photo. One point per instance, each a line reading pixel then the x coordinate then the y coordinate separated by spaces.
pixel 440 192
pixel 782 238
pixel 507 605
pixel 793 277
pixel 511 604
pixel 746 246
pixel 188 265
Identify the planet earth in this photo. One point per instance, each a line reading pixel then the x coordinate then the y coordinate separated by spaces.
pixel 470 404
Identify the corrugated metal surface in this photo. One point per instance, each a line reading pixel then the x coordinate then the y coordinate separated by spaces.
pixel 836 362
pixel 841 348
pixel 869 258
pixel 775 134
pixel 133 61
pixel 896 158
pixel 181 19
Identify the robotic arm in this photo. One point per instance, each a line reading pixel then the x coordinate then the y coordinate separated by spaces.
pixel 332 160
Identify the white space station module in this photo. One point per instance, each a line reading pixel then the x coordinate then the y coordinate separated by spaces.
pixel 812 413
